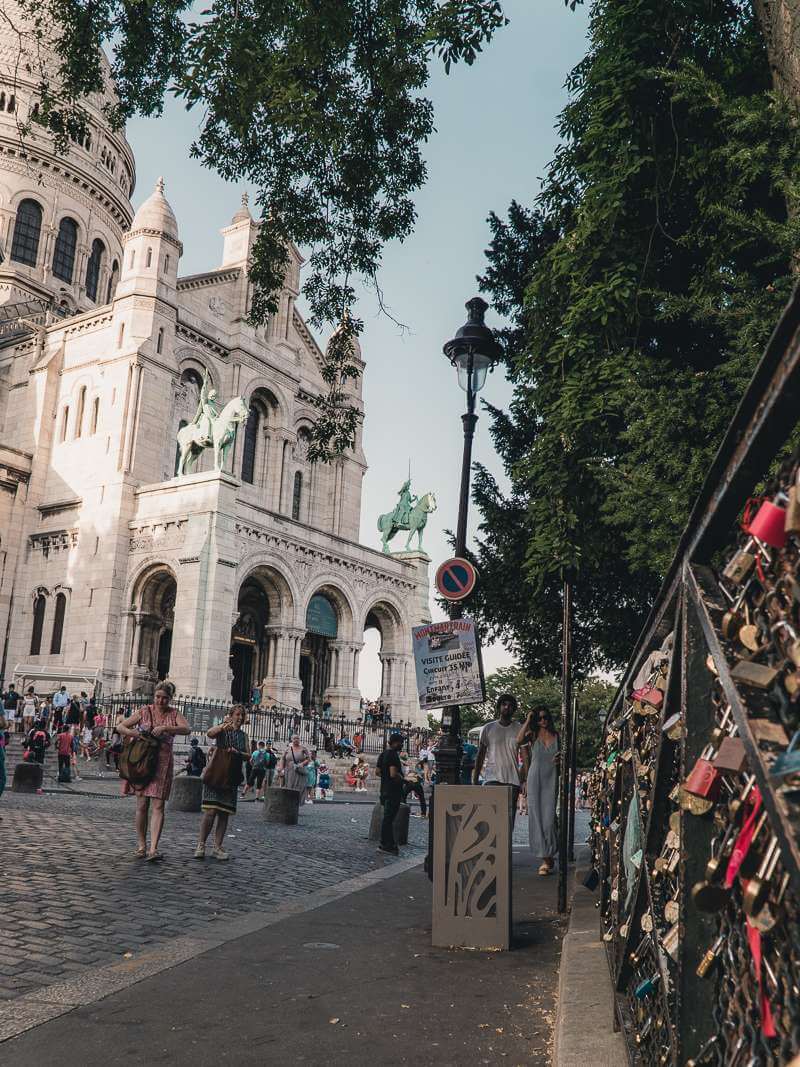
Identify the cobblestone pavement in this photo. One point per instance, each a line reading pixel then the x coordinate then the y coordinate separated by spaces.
pixel 74 897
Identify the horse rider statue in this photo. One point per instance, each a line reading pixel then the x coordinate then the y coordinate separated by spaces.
pixel 214 426
pixel 411 513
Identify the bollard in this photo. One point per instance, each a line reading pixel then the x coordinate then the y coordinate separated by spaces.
pixel 282 806
pixel 187 793
pixel 400 827
pixel 27 778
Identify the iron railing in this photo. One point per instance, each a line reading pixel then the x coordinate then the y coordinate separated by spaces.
pixel 277 723
pixel 695 830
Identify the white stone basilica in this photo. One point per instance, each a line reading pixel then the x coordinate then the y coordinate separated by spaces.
pixel 113 571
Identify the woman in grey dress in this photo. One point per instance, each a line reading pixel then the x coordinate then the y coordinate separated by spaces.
pixel 218 805
pixel 292 767
pixel 541 756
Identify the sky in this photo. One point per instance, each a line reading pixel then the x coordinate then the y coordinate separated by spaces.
pixel 494 138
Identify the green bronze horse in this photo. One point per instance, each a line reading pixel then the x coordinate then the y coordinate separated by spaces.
pixel 388 524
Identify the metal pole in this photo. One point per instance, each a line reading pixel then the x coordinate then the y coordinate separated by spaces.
pixel 448 752
pixel 573 777
pixel 566 743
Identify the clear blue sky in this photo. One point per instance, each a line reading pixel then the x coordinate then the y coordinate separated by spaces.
pixel 494 139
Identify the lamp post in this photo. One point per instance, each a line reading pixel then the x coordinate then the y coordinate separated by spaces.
pixel 473 352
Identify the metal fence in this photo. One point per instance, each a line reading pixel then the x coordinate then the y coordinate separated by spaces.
pixel 697 789
pixel 278 723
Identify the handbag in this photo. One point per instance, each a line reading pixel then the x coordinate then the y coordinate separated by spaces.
pixel 139 759
pixel 223 770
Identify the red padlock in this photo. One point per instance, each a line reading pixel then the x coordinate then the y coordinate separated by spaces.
pixel 769 525
pixel 704 780
pixel 648 694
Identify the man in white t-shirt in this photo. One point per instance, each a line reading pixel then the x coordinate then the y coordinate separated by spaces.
pixel 497 752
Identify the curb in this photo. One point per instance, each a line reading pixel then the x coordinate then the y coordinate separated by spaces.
pixel 584 1032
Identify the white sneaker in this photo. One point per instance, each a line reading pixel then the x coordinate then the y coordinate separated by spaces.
pixel 220 854
pixel 200 852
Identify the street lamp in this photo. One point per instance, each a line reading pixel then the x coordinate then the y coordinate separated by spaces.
pixel 473 351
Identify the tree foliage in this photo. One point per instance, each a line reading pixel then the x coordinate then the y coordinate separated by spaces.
pixel 642 286
pixel 319 103
pixel 593 697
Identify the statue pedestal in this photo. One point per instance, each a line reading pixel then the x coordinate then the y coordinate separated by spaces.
pixel 412 556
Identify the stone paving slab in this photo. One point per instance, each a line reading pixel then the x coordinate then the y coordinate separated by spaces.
pixel 75 899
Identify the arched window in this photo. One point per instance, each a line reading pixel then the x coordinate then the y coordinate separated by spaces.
pixel 64 254
pixel 38 624
pixel 93 267
pixel 181 425
pixel 160 339
pixel 27 230
pixel 58 624
pixel 64 423
pixel 250 442
pixel 95 415
pixel 297 495
pixel 79 412
pixel 12 103
pixel 112 281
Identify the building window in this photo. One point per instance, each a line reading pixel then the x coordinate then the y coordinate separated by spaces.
pixel 64 422
pixel 121 334
pixel 27 230
pixel 58 624
pixel 149 257
pixel 79 412
pixel 166 264
pixel 64 254
pixel 133 257
pixel 181 425
pixel 249 448
pixel 93 267
pixel 38 625
pixel 12 103
pixel 112 281
pixel 95 415
pixel 297 495
pixel 160 339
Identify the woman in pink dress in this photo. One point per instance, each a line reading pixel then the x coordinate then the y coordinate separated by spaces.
pixel 163 722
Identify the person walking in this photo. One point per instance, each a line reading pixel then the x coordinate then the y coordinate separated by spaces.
pixel 64 751
pixel 60 704
pixel 540 754
pixel 165 723
pixel 219 803
pixel 30 709
pixel 292 768
pixel 498 751
pixel 270 763
pixel 11 701
pixel 391 795
pixel 196 760
pixel 257 770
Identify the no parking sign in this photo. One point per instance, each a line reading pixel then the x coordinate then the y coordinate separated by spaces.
pixel 456 578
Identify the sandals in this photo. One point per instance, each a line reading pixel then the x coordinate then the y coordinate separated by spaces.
pixel 154 857
pixel 140 853
pixel 545 868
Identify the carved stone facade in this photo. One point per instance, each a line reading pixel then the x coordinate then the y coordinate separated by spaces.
pixel 216 580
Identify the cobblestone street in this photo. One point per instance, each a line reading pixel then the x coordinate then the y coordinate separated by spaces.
pixel 74 896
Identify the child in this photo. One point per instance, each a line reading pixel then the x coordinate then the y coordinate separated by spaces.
pixel 76 747
pixel 324 784
pixel 86 743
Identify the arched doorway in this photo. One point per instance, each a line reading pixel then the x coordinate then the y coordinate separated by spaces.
pixel 322 627
pixel 382 664
pixel 248 638
pixel 154 613
pixel 257 654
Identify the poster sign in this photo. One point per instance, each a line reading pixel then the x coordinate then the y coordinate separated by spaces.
pixel 448 663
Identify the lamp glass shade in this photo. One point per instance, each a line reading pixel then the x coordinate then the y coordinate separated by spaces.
pixel 480 365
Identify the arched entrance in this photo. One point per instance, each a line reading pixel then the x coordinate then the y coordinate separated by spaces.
pixel 382 665
pixel 153 610
pixel 322 627
pixel 263 606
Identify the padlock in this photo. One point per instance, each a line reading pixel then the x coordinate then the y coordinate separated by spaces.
pixel 792 646
pixel 647 986
pixel 731 757
pixel 705 964
pixel 724 728
pixel 640 950
pixel 703 780
pixel 710 896
pixel 750 861
pixel 740 565
pixel 647 923
pixel 672 911
pixel 757 891
pixel 718 860
pixel 756 675
pixel 671 941
pixel 736 803
pixel 792 520
pixel 769 523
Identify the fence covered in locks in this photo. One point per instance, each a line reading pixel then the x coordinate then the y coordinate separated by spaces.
pixel 696 794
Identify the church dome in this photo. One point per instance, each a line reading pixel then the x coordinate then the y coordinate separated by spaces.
pixel 156 214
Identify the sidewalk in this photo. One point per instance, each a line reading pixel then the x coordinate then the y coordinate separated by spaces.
pixel 353 980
